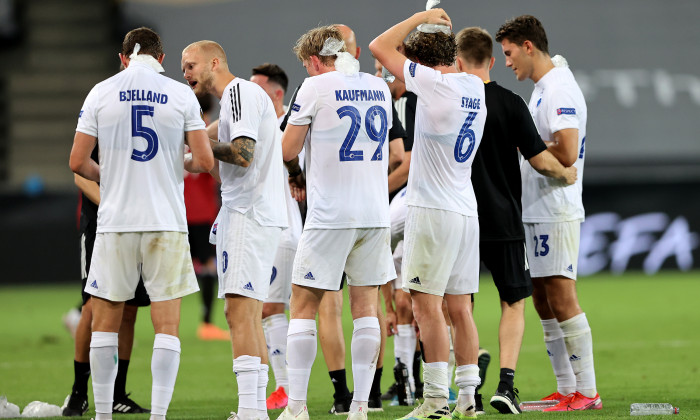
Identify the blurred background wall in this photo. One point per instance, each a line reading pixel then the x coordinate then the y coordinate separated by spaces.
pixel 636 61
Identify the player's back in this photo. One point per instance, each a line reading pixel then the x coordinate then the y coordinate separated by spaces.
pixel 450 117
pixel 139 118
pixel 347 150
pixel 496 169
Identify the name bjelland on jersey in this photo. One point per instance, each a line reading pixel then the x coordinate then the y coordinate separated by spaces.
pixel 359 95
pixel 142 95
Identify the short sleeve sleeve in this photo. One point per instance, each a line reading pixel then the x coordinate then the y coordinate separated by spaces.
pixel 562 113
pixel 247 108
pixel 419 79
pixel 304 107
pixel 528 139
pixel 193 113
pixel 87 120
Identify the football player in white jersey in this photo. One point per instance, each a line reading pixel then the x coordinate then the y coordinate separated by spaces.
pixel 347 116
pixel 274 82
pixel 553 211
pixel 142 120
pixel 441 253
pixel 252 215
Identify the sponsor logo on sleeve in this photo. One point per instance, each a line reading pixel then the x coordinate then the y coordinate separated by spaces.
pixel 296 107
pixel 566 111
pixel 412 69
pixel 81 114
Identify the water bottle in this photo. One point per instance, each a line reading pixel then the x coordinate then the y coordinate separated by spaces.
pixel 646 409
pixel 538 405
pixel 403 386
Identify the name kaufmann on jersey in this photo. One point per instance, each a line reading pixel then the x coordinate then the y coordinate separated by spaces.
pixel 142 95
pixel 359 95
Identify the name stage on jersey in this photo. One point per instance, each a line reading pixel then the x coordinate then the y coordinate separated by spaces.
pixel 142 95
pixel 359 95
pixel 471 103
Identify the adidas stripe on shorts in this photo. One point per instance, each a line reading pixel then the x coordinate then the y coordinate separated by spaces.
pixel 245 253
pixel 363 253
pixel 552 248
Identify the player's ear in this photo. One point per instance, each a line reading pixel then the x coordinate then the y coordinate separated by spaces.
pixel 528 47
pixel 492 62
pixel 160 59
pixel 124 60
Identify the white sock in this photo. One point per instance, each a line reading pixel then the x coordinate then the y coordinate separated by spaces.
pixel 451 360
pixel 467 379
pixel 366 338
pixel 405 347
pixel 156 417
pixel 579 344
pixel 301 353
pixel 103 368
pixel 435 380
pixel 558 356
pixel 165 363
pixel 263 378
pixel 247 370
pixel 275 327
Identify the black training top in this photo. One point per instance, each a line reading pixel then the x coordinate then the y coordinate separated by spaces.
pixel 396 129
pixel 496 168
pixel 406 108
pixel 88 209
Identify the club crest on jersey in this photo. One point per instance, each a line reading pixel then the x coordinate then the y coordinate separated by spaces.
pixel 412 69
pixel 213 229
pixel 296 107
pixel 566 111
pixel 224 261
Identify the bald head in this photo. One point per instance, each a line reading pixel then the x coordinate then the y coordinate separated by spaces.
pixel 349 38
pixel 207 50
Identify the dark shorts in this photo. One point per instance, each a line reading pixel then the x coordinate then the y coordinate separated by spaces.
pixel 507 262
pixel 87 243
pixel 200 248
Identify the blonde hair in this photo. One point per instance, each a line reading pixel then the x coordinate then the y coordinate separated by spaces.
pixel 209 49
pixel 311 43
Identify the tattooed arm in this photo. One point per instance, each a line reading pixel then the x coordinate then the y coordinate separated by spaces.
pixel 240 151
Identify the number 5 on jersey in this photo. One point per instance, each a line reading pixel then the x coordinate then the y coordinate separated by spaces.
pixel 138 130
pixel 379 135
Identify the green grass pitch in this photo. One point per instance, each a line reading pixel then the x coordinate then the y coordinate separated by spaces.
pixel 646 338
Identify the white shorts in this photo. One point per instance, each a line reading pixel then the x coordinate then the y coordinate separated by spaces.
pixel 441 252
pixel 398 257
pixel 281 279
pixel 162 259
pixel 245 252
pixel 552 248
pixel 323 254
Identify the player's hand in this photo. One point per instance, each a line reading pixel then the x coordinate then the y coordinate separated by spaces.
pixel 570 175
pixel 436 17
pixel 391 323
pixel 297 186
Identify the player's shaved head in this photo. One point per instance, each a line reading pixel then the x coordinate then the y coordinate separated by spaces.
pixel 349 38
pixel 208 50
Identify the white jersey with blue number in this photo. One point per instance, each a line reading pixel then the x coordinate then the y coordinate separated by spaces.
pixel 139 118
pixel 450 117
pixel 347 152
pixel 247 111
pixel 556 104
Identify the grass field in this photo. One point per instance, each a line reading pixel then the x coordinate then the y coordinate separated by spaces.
pixel 646 338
